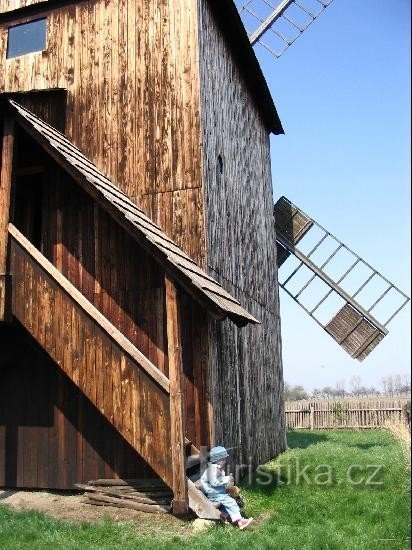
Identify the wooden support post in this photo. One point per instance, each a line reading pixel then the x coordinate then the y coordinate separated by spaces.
pixel 174 348
pixel 5 193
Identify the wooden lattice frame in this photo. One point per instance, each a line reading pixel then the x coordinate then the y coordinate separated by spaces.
pixel 276 25
pixel 355 327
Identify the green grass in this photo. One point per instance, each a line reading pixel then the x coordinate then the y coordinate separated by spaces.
pixel 339 513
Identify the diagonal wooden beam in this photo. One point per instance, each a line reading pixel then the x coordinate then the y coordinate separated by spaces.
pixel 89 309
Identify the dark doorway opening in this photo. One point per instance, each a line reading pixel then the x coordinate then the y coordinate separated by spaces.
pixel 28 206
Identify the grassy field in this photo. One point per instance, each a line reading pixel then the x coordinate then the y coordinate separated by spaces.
pixel 332 489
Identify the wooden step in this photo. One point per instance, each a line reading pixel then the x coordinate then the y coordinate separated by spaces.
pixel 137 484
pixel 143 495
pixel 200 504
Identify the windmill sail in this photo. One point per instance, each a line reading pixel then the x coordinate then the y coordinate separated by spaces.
pixel 275 26
pixel 346 296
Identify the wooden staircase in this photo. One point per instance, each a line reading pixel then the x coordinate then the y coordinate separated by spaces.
pixel 95 355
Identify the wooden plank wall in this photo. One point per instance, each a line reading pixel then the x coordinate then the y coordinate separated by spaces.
pixel 51 436
pixel 130 69
pixel 10 5
pixel 102 261
pixel 49 106
pixel 195 354
pixel 98 257
pixel 246 364
pixel 136 406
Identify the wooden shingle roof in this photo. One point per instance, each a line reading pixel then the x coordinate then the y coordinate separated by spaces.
pixel 201 286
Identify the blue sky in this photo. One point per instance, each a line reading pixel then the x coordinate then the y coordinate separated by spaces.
pixel 342 93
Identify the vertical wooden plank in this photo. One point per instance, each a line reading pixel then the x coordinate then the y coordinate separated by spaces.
pixel 160 330
pixel 6 176
pixel 126 380
pixel 120 414
pixel 42 374
pixel 106 370
pixel 99 372
pixel 174 348
pixel 115 367
pixel 81 402
pixel 135 393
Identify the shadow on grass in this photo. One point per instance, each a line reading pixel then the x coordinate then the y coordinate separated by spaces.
pixel 367 446
pixel 299 440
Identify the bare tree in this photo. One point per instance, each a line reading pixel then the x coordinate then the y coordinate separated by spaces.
pixel 406 383
pixel 341 387
pixel 388 384
pixel 396 383
pixel 355 383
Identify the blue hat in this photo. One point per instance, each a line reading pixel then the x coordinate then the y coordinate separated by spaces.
pixel 218 453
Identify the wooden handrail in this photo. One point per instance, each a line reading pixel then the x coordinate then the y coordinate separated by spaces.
pixel 90 310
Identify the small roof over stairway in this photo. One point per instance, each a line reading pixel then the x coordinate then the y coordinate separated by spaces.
pixel 208 292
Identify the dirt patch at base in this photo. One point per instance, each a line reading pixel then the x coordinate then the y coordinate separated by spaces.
pixel 72 507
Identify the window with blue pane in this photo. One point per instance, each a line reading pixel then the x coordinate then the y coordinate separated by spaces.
pixel 26 38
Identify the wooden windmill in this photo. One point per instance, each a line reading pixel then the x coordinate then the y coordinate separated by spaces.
pixel 138 320
pixel 324 276
pixel 139 308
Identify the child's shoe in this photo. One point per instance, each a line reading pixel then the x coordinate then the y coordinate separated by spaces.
pixel 243 523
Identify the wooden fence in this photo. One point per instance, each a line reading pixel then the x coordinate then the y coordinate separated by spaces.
pixel 346 413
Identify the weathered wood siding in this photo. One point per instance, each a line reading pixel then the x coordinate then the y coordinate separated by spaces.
pixel 51 436
pixel 94 253
pixel 49 106
pixel 118 387
pixel 130 69
pixel 194 323
pixel 110 269
pixel 10 5
pixel 246 364
pixel 139 77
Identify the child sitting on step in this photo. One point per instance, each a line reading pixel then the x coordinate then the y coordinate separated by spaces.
pixel 215 483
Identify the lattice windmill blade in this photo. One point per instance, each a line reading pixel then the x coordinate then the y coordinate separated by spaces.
pixel 274 25
pixel 345 295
